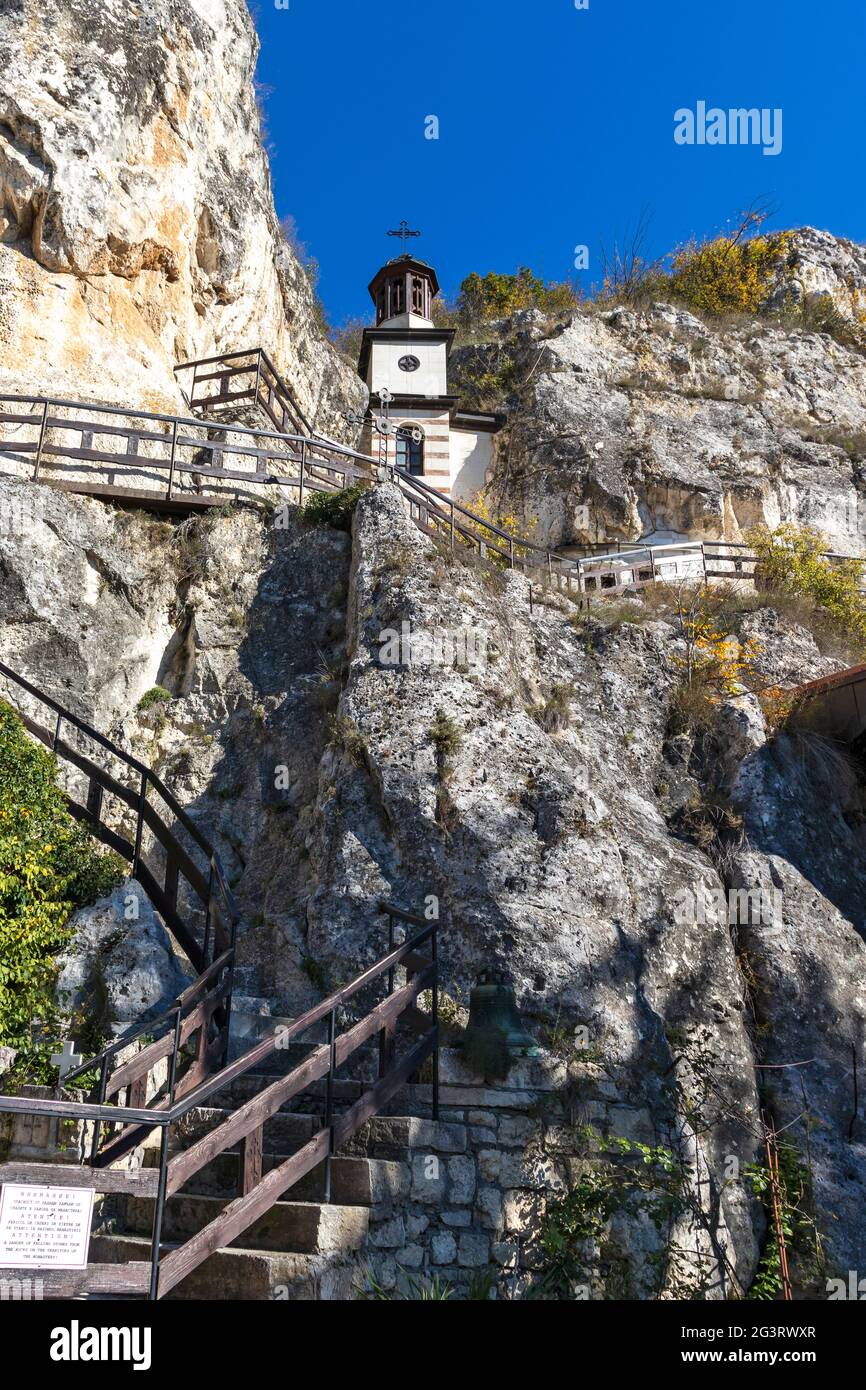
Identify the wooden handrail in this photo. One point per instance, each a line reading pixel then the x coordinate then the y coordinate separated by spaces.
pixel 165 1019
pixel 259 358
pixel 329 465
pixel 262 1051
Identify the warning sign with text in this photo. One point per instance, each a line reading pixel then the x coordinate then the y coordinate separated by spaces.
pixel 44 1227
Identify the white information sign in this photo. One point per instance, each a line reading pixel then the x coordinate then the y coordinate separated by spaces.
pixel 44 1227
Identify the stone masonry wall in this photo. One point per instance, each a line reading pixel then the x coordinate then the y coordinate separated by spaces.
pixel 475 1186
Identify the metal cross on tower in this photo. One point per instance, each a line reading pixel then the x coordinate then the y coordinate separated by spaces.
pixel 404 232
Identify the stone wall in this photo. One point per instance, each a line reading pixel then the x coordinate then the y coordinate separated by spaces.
pixel 474 1187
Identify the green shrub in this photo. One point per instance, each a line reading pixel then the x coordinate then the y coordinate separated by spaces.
pixel 802 1239
pixel 446 736
pixel 49 866
pixel 157 695
pixel 819 313
pixel 334 509
pixel 791 560
pixel 495 296
pixel 315 974
pixel 410 1288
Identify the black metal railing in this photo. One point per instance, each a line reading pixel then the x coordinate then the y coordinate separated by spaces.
pixel 104 806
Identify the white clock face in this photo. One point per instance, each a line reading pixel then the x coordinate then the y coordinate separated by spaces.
pixel 408 363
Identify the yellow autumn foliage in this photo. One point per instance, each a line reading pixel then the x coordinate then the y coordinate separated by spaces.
pixel 481 505
pixel 724 276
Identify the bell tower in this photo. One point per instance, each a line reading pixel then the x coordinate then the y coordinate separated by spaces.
pixel 406 357
pixel 403 293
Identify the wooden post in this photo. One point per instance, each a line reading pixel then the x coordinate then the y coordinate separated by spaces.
pixel 172 460
pixel 303 460
pixel 452 523
pixel 251 1161
pixel 94 800
pixel 511 551
pixel 39 447
pixel 137 1097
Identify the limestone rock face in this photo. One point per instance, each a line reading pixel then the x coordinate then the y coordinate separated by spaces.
pixel 243 623
pixel 525 780
pixel 120 967
pixel 818 264
pixel 629 423
pixel 137 226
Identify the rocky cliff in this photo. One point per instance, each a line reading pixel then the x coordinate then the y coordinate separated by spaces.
pixel 533 784
pixel 627 422
pixel 523 768
pixel 137 225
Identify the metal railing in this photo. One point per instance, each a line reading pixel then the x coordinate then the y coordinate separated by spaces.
pixel 205 880
pixel 258 1191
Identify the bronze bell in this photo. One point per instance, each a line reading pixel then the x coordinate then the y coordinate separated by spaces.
pixel 495 1031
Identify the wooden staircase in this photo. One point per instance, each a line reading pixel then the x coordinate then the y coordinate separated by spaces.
pixel 306 1245
pixel 189 1146
pixel 246 1165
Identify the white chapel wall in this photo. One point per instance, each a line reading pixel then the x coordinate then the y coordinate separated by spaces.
pixel 471 456
pixel 429 380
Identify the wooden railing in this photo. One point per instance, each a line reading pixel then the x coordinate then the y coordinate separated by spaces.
pixel 168 456
pixel 238 378
pixel 458 525
pixel 258 1191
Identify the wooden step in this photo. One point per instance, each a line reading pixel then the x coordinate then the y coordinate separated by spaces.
pixel 285 1131
pixel 250 1084
pixel 359 1182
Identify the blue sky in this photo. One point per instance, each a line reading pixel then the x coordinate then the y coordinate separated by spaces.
pixel 556 126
